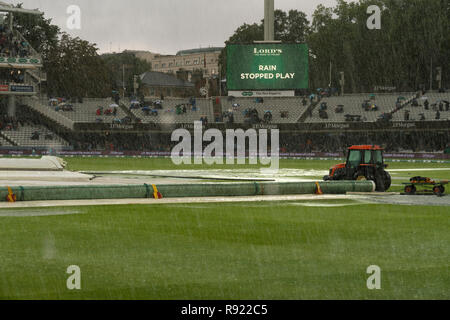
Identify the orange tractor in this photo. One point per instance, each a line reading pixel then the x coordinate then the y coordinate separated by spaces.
pixel 363 163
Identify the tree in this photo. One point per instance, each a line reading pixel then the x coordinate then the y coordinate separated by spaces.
pixel 247 33
pixel 292 27
pixel 39 32
pixel 74 69
pixel 124 66
pixel 413 39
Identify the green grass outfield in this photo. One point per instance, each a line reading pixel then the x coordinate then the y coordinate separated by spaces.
pixel 228 251
pixel 110 164
pixel 269 250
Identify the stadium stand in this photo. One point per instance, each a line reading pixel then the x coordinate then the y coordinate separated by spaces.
pixel 4 142
pixel 282 110
pixel 34 136
pixel 352 107
pixel 426 108
pixel 12 43
pixel 244 110
pixel 46 111
pixel 90 110
pixel 171 110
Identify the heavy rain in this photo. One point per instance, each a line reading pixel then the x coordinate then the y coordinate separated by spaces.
pixel 211 152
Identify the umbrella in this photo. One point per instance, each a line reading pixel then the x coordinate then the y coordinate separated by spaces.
pixel 135 102
pixel 113 105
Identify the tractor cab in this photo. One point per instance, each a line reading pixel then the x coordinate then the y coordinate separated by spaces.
pixel 363 162
pixel 365 156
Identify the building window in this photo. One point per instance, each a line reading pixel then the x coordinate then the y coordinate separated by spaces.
pixel 156 66
pixel 188 62
pixel 163 65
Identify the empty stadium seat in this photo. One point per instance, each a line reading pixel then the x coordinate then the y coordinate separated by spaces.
pixel 352 105
pixel 283 110
pixel 430 114
pixel 85 112
pixel 23 137
pixel 4 142
pixel 168 113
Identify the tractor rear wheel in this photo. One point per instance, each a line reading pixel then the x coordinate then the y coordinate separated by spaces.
pixel 387 180
pixel 379 182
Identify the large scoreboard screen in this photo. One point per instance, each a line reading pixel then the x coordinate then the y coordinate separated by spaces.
pixel 267 66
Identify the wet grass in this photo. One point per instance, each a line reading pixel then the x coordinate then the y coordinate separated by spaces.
pixel 228 251
pixel 112 164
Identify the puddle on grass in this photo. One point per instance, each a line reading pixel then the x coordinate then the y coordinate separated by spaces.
pixel 246 174
pixel 412 200
pixel 321 204
pixel 419 169
pixel 37 213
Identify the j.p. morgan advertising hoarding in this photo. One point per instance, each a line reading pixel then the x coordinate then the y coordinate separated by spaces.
pixel 267 66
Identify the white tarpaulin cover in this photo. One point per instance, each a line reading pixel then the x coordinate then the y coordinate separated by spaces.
pixel 46 163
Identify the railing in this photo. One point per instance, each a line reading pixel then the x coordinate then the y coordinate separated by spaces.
pixel 405 103
pixel 48 112
pixel 38 75
pixel 309 110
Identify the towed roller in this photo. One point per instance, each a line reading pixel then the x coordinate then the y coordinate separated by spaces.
pixel 87 192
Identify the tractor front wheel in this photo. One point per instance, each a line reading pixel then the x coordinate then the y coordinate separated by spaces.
pixel 339 174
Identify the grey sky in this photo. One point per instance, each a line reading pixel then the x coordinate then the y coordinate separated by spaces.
pixel 163 26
